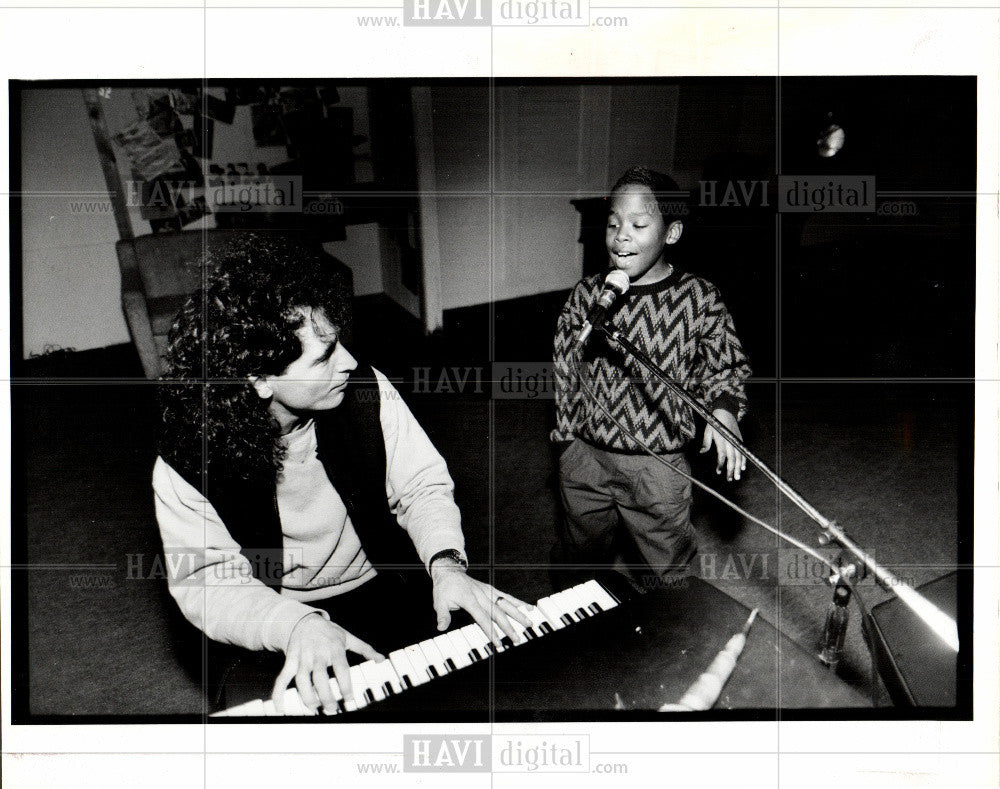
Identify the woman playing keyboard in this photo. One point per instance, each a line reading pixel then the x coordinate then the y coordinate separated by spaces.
pixel 304 513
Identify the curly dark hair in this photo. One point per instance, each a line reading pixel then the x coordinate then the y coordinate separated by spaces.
pixel 659 184
pixel 242 323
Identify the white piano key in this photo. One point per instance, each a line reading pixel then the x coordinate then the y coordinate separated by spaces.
pixel 335 689
pixel 527 633
pixel 292 704
pixel 538 618
pixel 370 673
pixel 518 628
pixel 498 637
pixel 585 598
pixel 564 606
pixel 251 708
pixel 493 643
pixel 462 648
pixel 580 602
pixel 415 654
pixel 434 657
pixel 599 594
pixel 404 668
pixel 358 686
pixel 477 639
pixel 551 612
pixel 450 651
pixel 389 678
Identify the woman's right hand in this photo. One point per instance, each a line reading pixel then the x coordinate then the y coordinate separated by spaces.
pixel 314 646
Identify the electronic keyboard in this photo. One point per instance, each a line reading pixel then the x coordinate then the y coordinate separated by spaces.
pixel 434 659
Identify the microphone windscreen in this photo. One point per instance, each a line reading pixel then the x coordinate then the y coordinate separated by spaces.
pixel 617 280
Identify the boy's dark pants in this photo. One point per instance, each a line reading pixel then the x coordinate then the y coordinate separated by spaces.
pixel 601 489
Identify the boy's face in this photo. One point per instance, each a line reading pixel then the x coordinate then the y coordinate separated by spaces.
pixel 637 234
pixel 317 379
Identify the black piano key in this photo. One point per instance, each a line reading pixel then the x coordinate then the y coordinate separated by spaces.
pixel 491 648
pixel 340 706
pixel 432 670
pixel 507 643
pixel 530 634
pixel 450 664
pixel 596 608
pixel 370 696
pixel 545 627
pixel 567 619
pixel 583 614
pixel 407 681
pixel 474 654
pixel 387 689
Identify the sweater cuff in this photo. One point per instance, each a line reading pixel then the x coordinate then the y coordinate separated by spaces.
pixel 443 542
pixel 561 437
pixel 282 622
pixel 727 402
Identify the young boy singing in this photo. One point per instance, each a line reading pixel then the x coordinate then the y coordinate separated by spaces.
pixel 680 321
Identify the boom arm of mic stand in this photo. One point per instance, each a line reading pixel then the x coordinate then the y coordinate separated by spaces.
pixel 934 617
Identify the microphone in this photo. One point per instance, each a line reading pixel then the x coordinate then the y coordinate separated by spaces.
pixel 615 285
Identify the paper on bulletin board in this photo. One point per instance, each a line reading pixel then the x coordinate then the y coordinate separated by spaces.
pixel 149 154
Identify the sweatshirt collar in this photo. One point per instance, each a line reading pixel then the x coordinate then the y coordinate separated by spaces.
pixel 656 287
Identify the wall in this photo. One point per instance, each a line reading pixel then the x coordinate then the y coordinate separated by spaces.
pixel 735 117
pixel 71 283
pixel 552 144
pixel 461 155
pixel 70 278
pixel 358 251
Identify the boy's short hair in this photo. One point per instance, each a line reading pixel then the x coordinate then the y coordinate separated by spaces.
pixel 670 201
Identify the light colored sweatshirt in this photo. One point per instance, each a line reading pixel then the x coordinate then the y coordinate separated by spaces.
pixel 212 581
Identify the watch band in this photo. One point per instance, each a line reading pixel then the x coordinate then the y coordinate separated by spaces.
pixel 450 553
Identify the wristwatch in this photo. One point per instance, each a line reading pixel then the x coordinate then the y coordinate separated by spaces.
pixel 450 553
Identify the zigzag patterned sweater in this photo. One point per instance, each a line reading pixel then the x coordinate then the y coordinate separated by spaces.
pixel 683 326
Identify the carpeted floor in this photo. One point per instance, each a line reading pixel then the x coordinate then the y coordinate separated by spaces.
pixel 99 627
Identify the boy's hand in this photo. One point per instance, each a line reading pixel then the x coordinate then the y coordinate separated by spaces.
pixel 729 456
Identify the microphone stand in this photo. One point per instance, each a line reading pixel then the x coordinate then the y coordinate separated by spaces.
pixel 938 621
